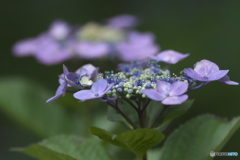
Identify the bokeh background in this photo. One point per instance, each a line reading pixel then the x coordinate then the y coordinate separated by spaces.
pixel 205 29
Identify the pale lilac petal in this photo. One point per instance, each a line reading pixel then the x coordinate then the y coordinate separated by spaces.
pixel 60 92
pixel 91 50
pixel 122 21
pixel 65 70
pixel 170 56
pixel 175 100
pixel 51 52
pixel 226 80
pixel 108 88
pixel 205 67
pixel 25 47
pixel 193 74
pixel 99 86
pixel 71 80
pixel 59 30
pixel 138 47
pixel 217 75
pixel 177 88
pixel 153 94
pixel 163 87
pixel 84 95
pixel 90 68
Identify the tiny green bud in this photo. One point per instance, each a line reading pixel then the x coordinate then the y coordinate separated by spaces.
pixel 128 96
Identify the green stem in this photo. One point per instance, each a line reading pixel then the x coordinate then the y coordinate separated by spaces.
pixel 144 157
pixel 115 106
pixel 127 100
pixel 159 116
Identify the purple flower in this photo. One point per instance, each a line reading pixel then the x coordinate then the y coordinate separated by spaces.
pixel 169 56
pixel 88 70
pixel 227 80
pixel 91 50
pixel 205 71
pixel 50 47
pixel 98 90
pixel 169 94
pixel 50 51
pixel 122 21
pixel 67 79
pixel 138 47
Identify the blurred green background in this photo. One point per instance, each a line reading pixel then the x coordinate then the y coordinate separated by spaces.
pixel 205 29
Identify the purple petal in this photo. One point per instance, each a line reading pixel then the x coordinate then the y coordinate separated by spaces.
pixel 70 77
pixel 163 87
pixel 122 21
pixel 91 50
pixel 99 86
pixel 175 100
pixel 153 94
pixel 178 88
pixel 170 56
pixel 217 75
pixel 84 95
pixel 89 70
pixel 59 30
pixel 226 80
pixel 25 47
pixel 193 74
pixel 60 92
pixel 82 71
pixel 138 47
pixel 108 88
pixel 65 70
pixel 205 67
pixel 71 80
pixel 51 51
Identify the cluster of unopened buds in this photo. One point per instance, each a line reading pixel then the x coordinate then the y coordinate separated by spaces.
pixel 139 82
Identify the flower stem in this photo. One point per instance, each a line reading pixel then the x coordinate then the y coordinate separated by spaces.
pixel 127 100
pixel 200 85
pixel 115 106
pixel 159 116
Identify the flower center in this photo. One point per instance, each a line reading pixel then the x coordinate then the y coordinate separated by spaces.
pixel 167 94
pixel 96 94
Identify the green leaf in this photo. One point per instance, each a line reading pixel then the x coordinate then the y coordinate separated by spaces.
pixel 67 148
pixel 137 141
pixel 175 111
pixel 153 110
pixel 25 102
pixel 171 113
pixel 198 137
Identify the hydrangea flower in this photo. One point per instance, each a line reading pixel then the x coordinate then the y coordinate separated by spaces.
pixel 122 21
pixel 98 90
pixel 205 71
pixel 169 94
pixel 50 47
pixel 169 56
pixel 83 77
pixel 138 47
